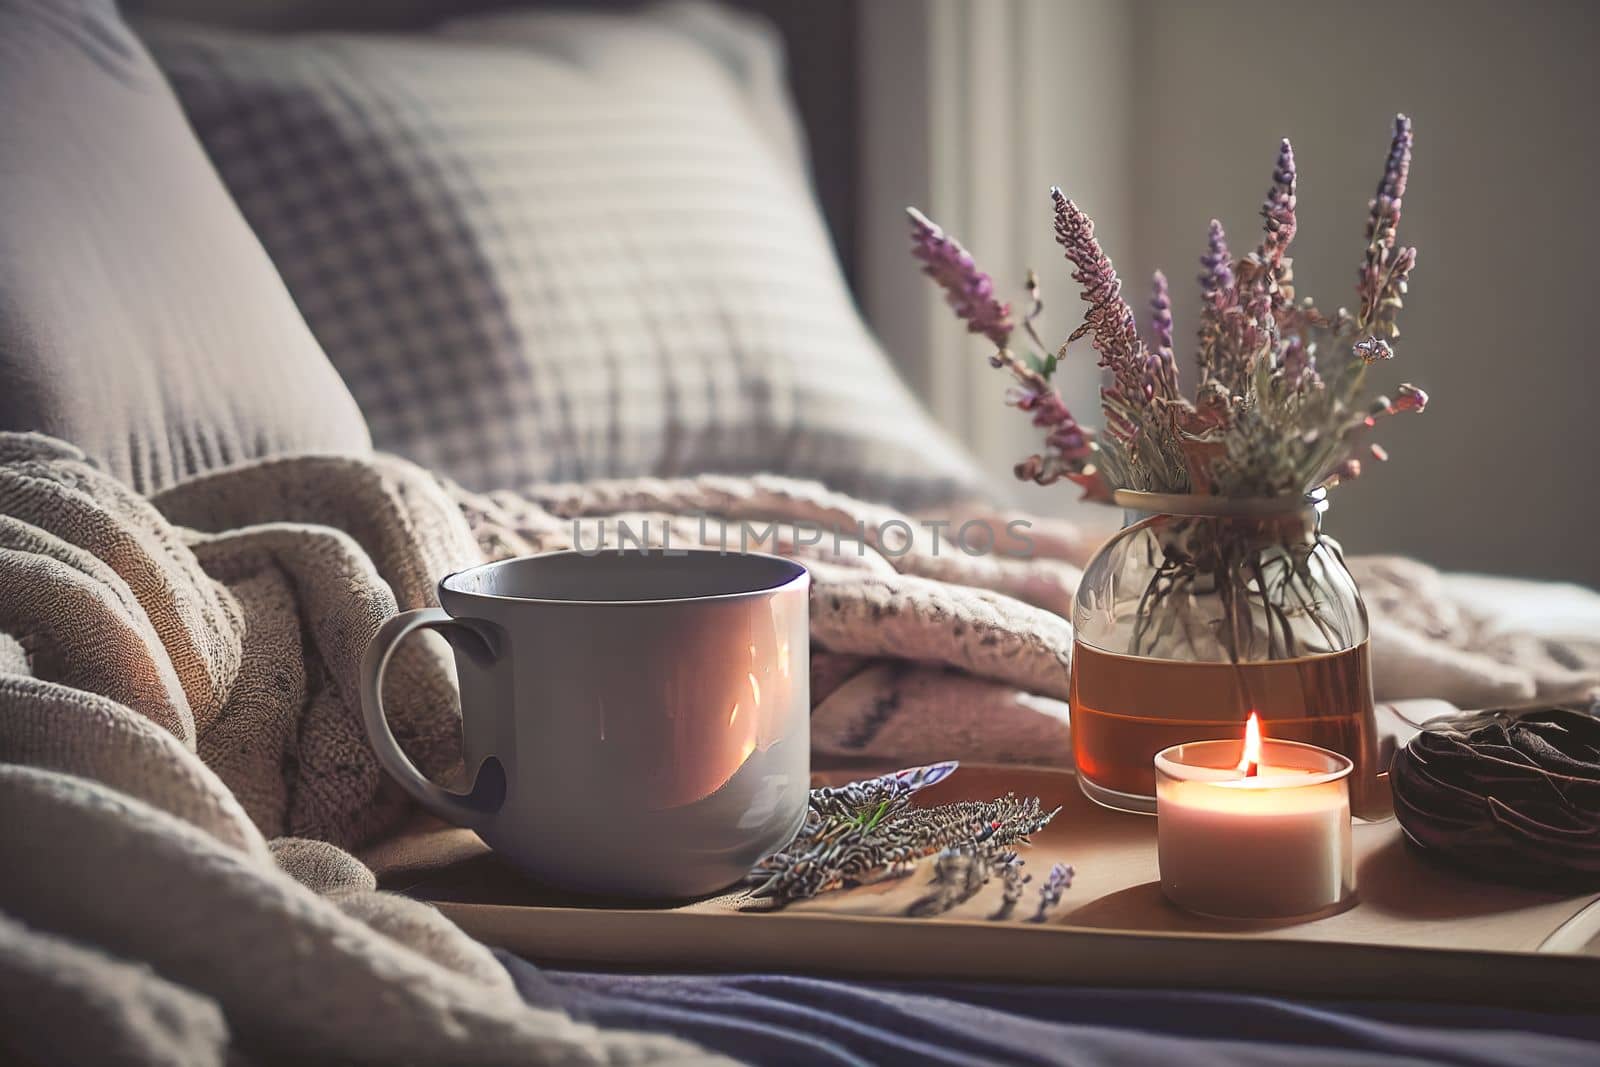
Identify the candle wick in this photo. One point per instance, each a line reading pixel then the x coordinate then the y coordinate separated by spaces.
pixel 1252 769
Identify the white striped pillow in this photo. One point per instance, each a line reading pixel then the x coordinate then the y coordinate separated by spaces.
pixel 572 246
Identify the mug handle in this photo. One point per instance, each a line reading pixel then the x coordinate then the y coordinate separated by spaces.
pixel 488 790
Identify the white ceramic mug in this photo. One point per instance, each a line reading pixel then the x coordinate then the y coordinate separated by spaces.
pixel 633 723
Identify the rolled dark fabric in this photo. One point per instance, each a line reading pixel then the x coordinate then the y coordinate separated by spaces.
pixel 1512 795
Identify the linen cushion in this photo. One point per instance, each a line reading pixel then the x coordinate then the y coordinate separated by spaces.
pixel 139 317
pixel 573 246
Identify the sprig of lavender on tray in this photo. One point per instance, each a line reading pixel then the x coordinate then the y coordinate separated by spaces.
pixel 1050 893
pixel 869 831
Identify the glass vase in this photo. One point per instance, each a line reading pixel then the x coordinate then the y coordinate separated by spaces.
pixel 1202 610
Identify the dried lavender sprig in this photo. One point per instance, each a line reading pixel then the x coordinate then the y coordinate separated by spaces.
pixel 1035 395
pixel 860 803
pixel 849 851
pixel 1013 881
pixel 968 290
pixel 908 780
pixel 1218 294
pixel 949 264
pixel 1050 892
pixel 1382 277
pixel 1160 311
pixel 1247 433
pixel 1068 442
pixel 1269 285
pixel 1109 321
pixel 1278 209
pixel 1245 337
pixel 959 872
pixel 1216 273
pixel 1062 433
pixel 1141 450
pixel 1161 330
pixel 1384 208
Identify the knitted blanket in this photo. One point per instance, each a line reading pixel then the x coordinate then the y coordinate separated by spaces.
pixel 182 761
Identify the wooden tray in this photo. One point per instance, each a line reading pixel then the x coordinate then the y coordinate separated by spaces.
pixel 1418 931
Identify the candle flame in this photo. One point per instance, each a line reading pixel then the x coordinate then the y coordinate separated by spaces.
pixel 1250 762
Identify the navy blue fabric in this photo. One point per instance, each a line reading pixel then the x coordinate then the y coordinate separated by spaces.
pixel 779 1020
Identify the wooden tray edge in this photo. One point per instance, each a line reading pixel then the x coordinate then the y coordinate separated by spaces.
pixel 904 949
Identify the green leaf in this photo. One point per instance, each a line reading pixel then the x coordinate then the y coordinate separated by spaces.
pixel 1044 367
pixel 872 820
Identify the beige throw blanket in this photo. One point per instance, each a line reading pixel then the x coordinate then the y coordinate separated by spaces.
pixel 182 762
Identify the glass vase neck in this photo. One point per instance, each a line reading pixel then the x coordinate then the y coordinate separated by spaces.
pixel 1313 503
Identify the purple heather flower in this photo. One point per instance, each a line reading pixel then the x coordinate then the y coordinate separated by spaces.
pixel 1278 210
pixel 1383 217
pixel 1161 327
pixel 1218 294
pixel 968 290
pixel 1264 276
pixel 1385 205
pixel 1216 275
pixel 1383 272
pixel 1050 413
pixel 1110 320
pixel 1161 311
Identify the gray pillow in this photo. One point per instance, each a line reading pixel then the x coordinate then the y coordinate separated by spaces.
pixel 139 317
pixel 581 246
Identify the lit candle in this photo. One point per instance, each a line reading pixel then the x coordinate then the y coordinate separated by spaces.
pixel 1258 833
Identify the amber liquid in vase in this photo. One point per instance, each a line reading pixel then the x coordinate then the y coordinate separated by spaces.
pixel 1125 709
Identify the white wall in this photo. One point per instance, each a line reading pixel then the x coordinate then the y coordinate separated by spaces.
pixel 972 113
pixel 1157 114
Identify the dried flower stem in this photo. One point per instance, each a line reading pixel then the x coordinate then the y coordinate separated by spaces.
pixel 1382 280
pixel 1279 381
pixel 1218 294
pixel 1161 330
pixel 867 831
pixel 1109 321
pixel 968 290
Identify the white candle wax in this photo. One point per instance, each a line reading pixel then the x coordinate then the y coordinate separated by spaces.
pixel 1275 844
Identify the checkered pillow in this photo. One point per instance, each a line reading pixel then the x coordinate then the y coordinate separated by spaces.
pixel 576 249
